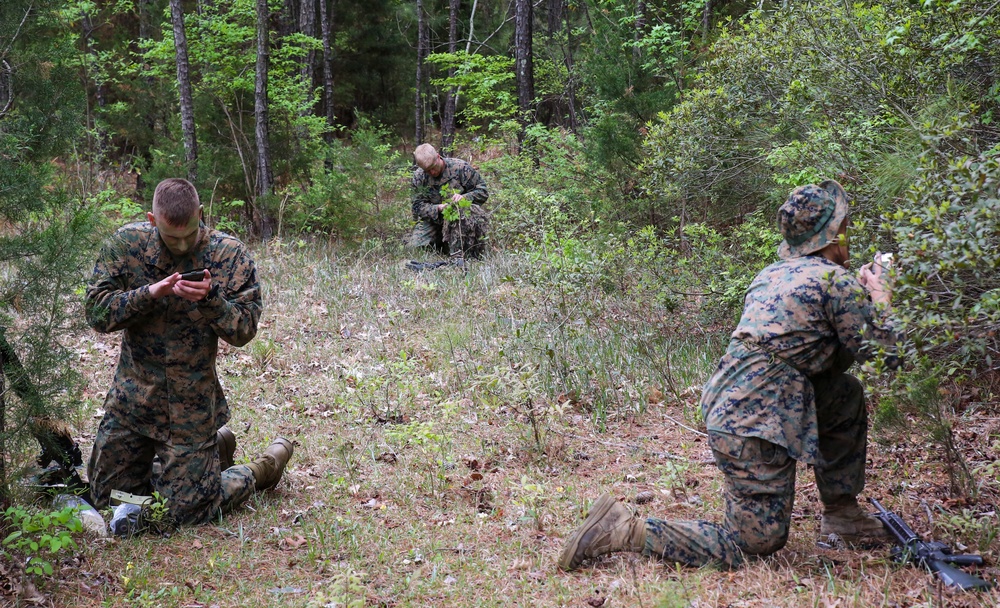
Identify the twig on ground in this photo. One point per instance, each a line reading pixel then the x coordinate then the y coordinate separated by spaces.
pixel 684 426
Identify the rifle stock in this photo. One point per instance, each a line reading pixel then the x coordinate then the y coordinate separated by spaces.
pixel 954 577
pixel 934 556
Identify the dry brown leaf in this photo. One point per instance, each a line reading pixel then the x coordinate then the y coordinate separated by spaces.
pixel 293 543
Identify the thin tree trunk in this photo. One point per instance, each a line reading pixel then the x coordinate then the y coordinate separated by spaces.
pixel 265 179
pixel 145 33
pixel 706 19
pixel 99 89
pixel 555 14
pixel 451 99
pixel 571 76
pixel 523 62
pixel 640 26
pixel 4 488
pixel 184 85
pixel 326 19
pixel 418 105
pixel 307 26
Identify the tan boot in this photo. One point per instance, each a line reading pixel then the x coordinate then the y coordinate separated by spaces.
pixel 610 526
pixel 852 523
pixel 225 441
pixel 267 469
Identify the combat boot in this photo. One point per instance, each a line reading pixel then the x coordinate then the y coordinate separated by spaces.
pixel 610 526
pixel 267 469
pixel 851 523
pixel 225 441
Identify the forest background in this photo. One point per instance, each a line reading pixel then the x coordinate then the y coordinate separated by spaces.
pixel 636 152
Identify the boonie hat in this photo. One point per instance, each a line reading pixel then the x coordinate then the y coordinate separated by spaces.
pixel 810 218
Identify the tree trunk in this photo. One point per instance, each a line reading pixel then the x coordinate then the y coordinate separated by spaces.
pixel 307 26
pixel 523 62
pixel 554 16
pixel 265 179
pixel 422 51
pixel 4 488
pixel 100 95
pixel 184 85
pixel 451 99
pixel 640 26
pixel 570 76
pixel 706 21
pixel 326 19
pixel 146 29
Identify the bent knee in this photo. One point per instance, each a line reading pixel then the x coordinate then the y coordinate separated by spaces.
pixel 764 543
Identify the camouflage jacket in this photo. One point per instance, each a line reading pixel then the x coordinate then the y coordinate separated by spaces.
pixel 802 317
pixel 166 385
pixel 459 175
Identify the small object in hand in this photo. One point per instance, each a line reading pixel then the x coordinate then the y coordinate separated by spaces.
pixel 194 275
pixel 882 261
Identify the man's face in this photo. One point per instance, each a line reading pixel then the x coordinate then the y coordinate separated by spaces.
pixel 436 168
pixel 179 240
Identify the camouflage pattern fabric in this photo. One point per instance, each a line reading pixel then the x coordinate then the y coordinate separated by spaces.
pixel 166 389
pixel 189 478
pixel 802 317
pixel 760 484
pixel 780 395
pixel 466 234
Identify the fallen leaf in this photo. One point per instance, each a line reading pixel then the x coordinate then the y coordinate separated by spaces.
pixel 292 543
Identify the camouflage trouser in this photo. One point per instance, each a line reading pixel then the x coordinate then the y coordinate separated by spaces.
pixel 466 234
pixel 196 491
pixel 760 484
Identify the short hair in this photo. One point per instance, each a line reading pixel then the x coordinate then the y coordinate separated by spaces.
pixel 425 155
pixel 176 201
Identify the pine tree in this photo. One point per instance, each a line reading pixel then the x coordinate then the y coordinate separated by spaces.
pixel 45 242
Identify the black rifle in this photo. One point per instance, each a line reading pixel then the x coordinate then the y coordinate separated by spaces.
pixel 936 557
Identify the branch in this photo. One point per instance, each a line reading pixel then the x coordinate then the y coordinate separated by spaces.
pixel 27 12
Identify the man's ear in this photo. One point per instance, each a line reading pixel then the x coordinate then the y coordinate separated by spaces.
pixel 151 218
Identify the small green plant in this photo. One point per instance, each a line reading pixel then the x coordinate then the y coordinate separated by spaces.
pixel 971 528
pixel 532 497
pixel 156 515
pixel 432 442
pixel 263 352
pixel 346 590
pixel 453 209
pixel 39 536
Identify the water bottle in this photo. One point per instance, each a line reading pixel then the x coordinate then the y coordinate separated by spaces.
pixel 89 517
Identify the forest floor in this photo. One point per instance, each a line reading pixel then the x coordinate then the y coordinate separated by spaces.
pixel 452 429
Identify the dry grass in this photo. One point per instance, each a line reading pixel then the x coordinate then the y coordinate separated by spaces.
pixel 420 480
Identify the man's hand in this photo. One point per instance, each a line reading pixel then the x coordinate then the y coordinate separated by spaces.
pixel 193 291
pixel 876 284
pixel 456 198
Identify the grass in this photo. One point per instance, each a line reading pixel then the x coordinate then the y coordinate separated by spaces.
pixel 452 429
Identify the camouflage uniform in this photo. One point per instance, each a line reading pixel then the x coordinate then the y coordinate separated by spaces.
pixel 778 396
pixel 166 399
pixel 466 234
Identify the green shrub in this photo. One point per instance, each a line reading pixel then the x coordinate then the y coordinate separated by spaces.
pixel 38 537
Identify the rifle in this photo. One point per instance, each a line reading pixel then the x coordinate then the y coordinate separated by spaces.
pixel 54 437
pixel 934 556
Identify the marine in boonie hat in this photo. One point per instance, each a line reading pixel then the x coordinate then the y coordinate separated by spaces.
pixel 810 218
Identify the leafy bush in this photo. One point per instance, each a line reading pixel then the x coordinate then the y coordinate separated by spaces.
pixel 947 294
pixel 39 536
pixel 357 190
